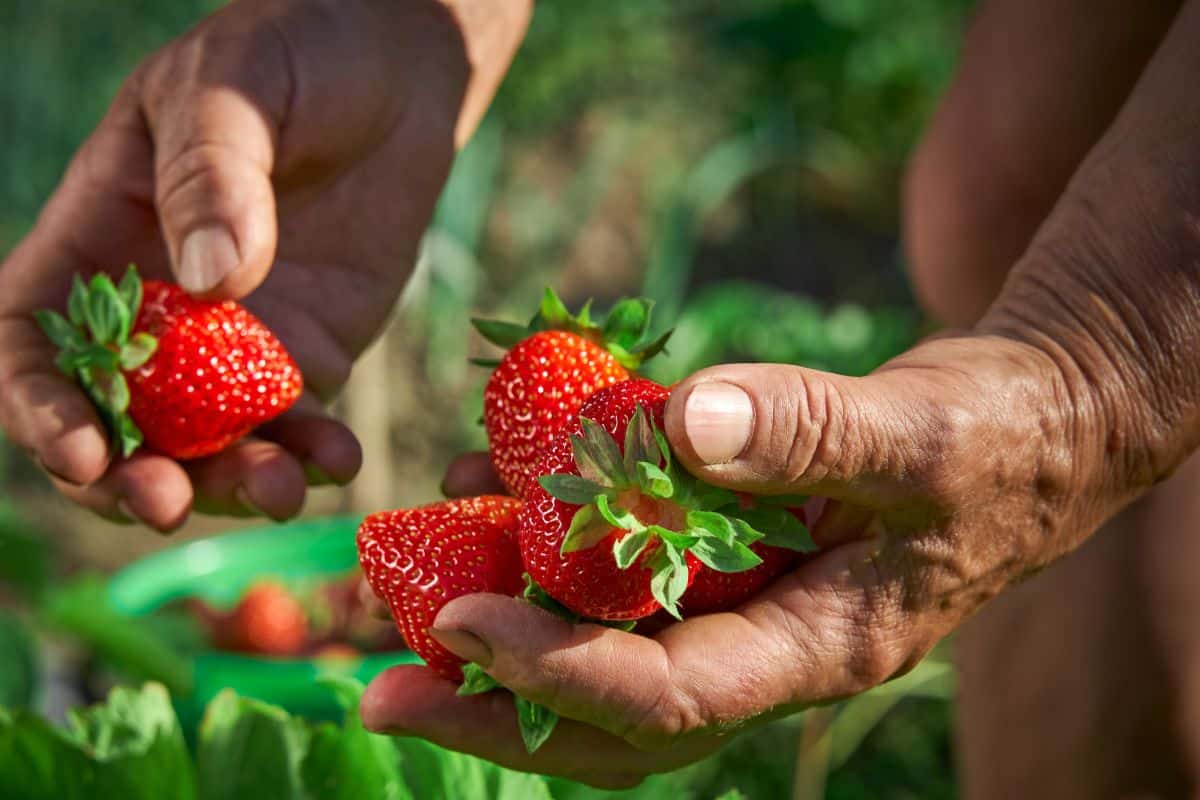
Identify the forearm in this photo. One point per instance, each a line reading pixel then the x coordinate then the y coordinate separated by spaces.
pixel 1110 288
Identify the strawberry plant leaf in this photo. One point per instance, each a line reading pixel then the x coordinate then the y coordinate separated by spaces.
pixel 664 448
pixel 779 528
pixel 712 525
pixel 487 363
pixel 639 441
pixel 653 481
pixel 587 529
pixel 537 596
pixel 670 578
pixel 573 489
pixel 746 533
pixel 725 556
pixel 712 498
pixel 629 547
pixel 584 318
pixel 130 290
pixel 649 350
pixel 475 680
pixel 77 302
pixel 138 351
pixel 627 322
pixel 616 516
pixel 781 500
pixel 536 723
pixel 553 311
pixel 500 333
pixel 680 541
pixel 106 315
pixel 795 538
pixel 598 457
pixel 63 334
pixel 128 436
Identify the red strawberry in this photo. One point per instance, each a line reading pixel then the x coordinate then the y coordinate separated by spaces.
pixel 268 619
pixel 185 377
pixel 554 364
pixel 418 559
pixel 615 530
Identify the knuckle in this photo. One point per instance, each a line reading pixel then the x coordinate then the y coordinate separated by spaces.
pixel 815 418
pixel 672 715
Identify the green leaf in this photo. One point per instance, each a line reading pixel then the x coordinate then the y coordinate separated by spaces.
pixel 18 666
pixel 725 556
pixel 77 302
pixel 127 435
pixel 780 528
pixel 107 316
pixel 670 578
pixel 664 448
pixel 710 498
pixel 572 489
pixel 536 596
pixel 649 350
pixel 680 541
pixel 746 534
pixel 587 529
pixel 347 690
pixel 138 351
pixel 115 391
pixel 628 548
pixel 348 763
pixel 498 332
pixel 434 773
pixel 250 749
pixel 797 539
pixel 536 723
pixel 486 363
pixel 584 318
pixel 712 524
pixel 130 747
pixel 639 441
pixel 553 312
pixel 130 291
pixel 475 680
pixel 653 481
pixel 627 322
pixel 616 516
pixel 58 330
pixel 781 500
pixel 598 457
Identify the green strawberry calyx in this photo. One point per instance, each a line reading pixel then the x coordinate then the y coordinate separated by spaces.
pixel 624 332
pixel 97 346
pixel 616 490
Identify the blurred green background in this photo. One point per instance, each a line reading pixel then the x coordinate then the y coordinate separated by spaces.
pixel 738 162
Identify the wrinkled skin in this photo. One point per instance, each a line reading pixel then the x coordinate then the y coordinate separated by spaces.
pixel 958 469
pixel 322 181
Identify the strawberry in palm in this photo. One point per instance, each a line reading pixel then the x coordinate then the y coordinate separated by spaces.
pixel 185 377
pixel 553 365
pixel 417 560
pixel 616 530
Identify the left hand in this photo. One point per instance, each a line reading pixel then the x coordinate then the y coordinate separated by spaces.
pixel 955 469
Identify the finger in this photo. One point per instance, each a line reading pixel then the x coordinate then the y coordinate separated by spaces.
pixel 835 627
pixel 470 475
pixel 328 452
pixel 992 162
pixel 412 700
pixel 771 428
pixel 214 104
pixel 145 488
pixel 250 477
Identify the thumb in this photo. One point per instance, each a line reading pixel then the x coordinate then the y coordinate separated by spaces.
pixel 215 140
pixel 774 429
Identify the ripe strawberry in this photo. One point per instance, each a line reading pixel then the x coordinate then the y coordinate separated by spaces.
pixel 616 530
pixel 268 619
pixel 418 559
pixel 185 377
pixel 555 363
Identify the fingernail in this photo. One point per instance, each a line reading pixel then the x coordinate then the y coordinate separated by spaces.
pixel 465 645
pixel 207 256
pixel 718 419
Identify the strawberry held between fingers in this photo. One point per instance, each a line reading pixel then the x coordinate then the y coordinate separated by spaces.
pixel 616 529
pixel 419 559
pixel 553 365
pixel 185 377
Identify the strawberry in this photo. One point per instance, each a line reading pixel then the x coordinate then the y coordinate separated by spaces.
pixel 616 530
pixel 268 619
pixel 555 363
pixel 418 559
pixel 184 377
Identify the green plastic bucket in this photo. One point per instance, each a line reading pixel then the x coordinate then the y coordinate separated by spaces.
pixel 218 570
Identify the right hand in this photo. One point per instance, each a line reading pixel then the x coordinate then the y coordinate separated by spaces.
pixel 294 148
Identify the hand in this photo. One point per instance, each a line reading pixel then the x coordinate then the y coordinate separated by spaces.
pixel 293 148
pixel 955 470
